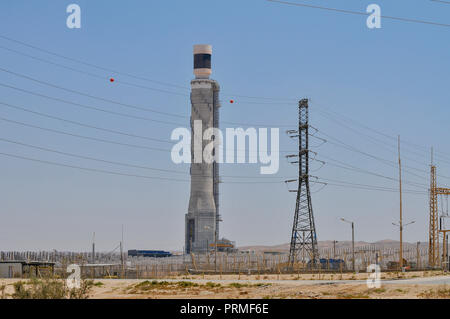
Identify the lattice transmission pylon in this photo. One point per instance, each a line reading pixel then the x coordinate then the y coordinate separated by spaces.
pixel 434 256
pixel 303 246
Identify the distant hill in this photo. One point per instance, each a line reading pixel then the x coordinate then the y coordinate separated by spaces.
pixel 328 244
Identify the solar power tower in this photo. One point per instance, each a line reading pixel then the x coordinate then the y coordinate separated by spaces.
pixel 202 219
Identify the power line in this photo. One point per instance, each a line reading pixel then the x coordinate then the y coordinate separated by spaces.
pixel 16 107
pixel 370 138
pixel 328 110
pixel 83 136
pixel 111 131
pixel 122 163
pixel 132 135
pixel 68 101
pixel 115 172
pixel 168 150
pixel 109 70
pixel 378 132
pixel 103 78
pixel 90 64
pixel 353 149
pixel 83 94
pixel 130 165
pixel 240 177
pixel 375 189
pixel 360 170
pixel 383 134
pixel 83 124
pixel 111 101
pixel 46 149
pixel 441 1
pixel 90 107
pixel 344 184
pixel 359 13
pixel 89 169
pixel 142 78
pixel 51 150
pixel 369 186
pixel 329 115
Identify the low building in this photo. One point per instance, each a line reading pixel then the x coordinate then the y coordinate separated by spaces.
pixel 223 245
pixel 149 253
pixel 21 268
pixel 11 269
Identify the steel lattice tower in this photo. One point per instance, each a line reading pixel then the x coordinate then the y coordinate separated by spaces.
pixel 434 256
pixel 433 249
pixel 304 238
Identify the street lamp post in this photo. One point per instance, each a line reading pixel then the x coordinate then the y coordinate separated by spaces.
pixel 401 205
pixel 401 227
pixel 418 256
pixel 215 248
pixel 334 249
pixel 353 241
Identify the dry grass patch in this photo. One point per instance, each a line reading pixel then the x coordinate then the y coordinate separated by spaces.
pixel 439 293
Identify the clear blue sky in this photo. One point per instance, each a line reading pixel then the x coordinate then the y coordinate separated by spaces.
pixel 394 80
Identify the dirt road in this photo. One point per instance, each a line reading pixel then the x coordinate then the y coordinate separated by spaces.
pixel 430 285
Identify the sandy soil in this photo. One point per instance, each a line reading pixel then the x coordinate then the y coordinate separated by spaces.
pixel 270 286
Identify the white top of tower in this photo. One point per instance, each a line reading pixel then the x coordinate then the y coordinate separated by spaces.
pixel 203 49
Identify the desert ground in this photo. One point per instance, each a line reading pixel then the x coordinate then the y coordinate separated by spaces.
pixel 409 285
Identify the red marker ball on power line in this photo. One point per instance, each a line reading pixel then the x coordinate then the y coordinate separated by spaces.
pixel 231 101
pixel 111 80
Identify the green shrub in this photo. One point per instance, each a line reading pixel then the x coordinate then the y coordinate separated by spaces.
pixel 50 288
pixel 210 284
pixel 186 284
